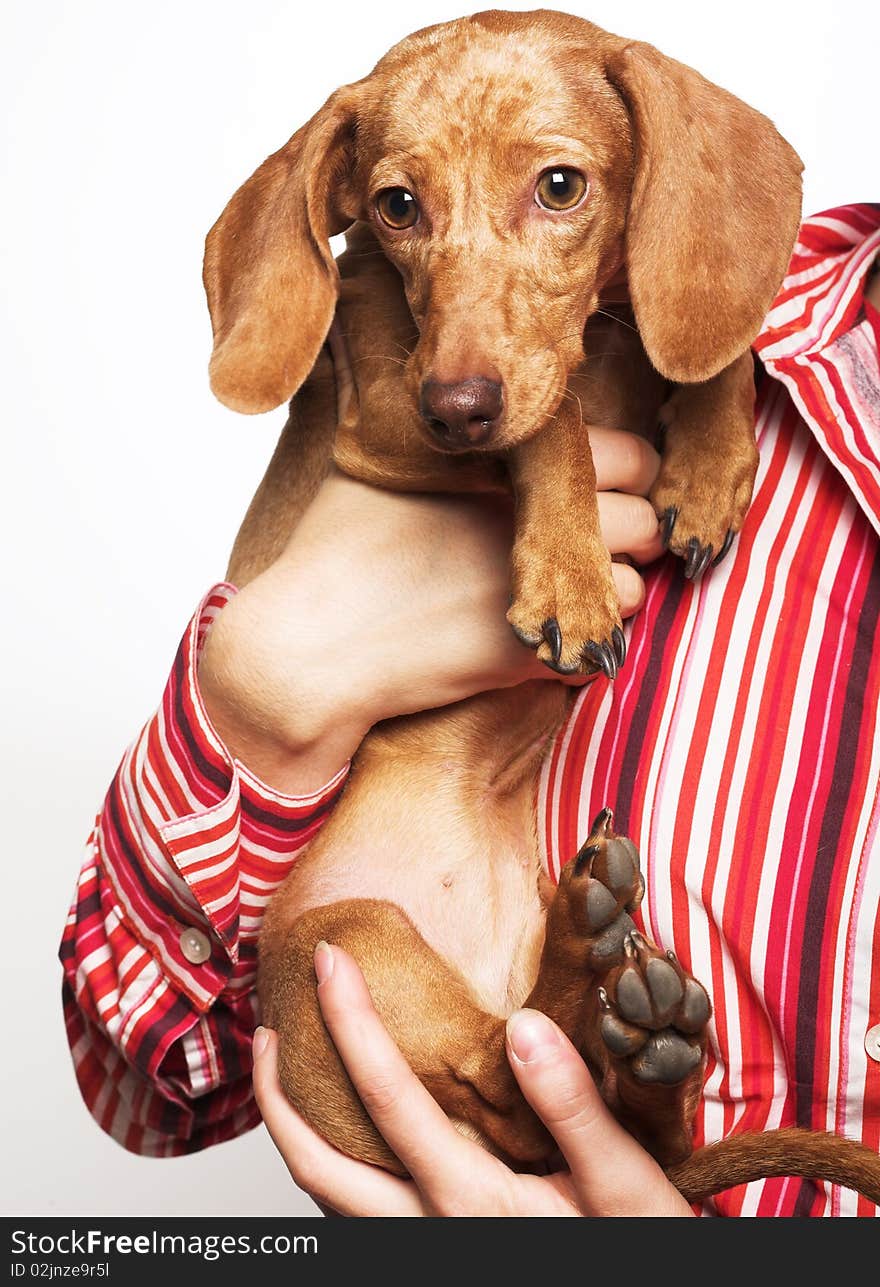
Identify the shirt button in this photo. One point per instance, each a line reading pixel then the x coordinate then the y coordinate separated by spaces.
pixel 195 946
pixel 872 1042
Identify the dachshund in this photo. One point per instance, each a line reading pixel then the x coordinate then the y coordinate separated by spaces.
pixel 547 226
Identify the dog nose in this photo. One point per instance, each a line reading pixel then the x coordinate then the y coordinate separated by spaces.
pixel 463 414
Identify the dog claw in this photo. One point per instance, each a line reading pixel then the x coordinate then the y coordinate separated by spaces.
pixel 607 656
pixel 601 823
pixel 553 636
pixel 585 856
pixel 725 547
pixel 698 559
pixel 667 523
pixel 705 562
pixel 697 556
pixel 603 657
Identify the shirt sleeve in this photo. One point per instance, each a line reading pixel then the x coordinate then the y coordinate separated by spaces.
pixel 160 945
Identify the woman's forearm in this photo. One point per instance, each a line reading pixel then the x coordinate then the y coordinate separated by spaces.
pixel 385 604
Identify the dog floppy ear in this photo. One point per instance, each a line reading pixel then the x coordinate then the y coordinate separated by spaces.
pixel 270 278
pixel 713 216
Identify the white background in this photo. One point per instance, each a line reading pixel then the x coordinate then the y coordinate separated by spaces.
pixel 127 127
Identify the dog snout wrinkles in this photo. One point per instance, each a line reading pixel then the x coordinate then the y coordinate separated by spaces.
pixel 463 414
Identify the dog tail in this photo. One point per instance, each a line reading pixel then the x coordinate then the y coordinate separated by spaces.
pixel 815 1155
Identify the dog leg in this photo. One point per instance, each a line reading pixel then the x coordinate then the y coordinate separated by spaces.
pixel 637 1016
pixel 455 1047
pixel 639 1019
pixel 709 462
pixel 564 602
pixel 652 1021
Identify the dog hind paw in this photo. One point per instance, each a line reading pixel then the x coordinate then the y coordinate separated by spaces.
pixel 653 1015
pixel 601 886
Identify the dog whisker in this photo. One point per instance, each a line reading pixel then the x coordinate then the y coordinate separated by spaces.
pixel 403 348
pixel 612 317
pixel 378 357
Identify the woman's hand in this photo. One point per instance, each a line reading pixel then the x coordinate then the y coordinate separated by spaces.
pixel 383 604
pixel 605 1173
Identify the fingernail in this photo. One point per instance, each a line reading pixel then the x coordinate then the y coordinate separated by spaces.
pixel 260 1041
pixel 323 962
pixel 531 1035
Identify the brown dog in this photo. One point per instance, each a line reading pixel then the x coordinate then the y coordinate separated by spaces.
pixel 553 227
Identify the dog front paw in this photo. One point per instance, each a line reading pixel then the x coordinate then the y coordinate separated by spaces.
pixel 708 467
pixel 567 610
pixel 699 517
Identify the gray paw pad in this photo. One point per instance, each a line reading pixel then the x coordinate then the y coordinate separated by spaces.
pixel 666 1058
pixel 620 1038
pixel 609 944
pixel 695 1009
pixel 665 987
pixel 621 863
pixel 633 1000
pixel 601 905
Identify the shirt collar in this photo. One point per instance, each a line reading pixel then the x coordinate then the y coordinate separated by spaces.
pixel 818 341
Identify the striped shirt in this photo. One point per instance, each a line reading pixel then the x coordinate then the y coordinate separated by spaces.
pixel 738 748
pixel 181 863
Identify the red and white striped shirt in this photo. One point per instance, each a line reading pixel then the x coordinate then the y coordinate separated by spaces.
pixel 739 748
pixel 181 863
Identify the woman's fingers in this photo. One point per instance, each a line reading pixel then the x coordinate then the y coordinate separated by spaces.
pixel 437 1157
pixel 629 526
pixel 623 461
pixel 611 1172
pixel 629 529
pixel 349 1187
pixel 630 588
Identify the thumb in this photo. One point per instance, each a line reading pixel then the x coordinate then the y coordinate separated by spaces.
pixel 611 1173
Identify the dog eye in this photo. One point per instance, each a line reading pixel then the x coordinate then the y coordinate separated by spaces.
pixel 560 188
pixel 397 208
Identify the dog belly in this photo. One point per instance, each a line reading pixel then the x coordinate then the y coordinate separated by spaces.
pixel 470 886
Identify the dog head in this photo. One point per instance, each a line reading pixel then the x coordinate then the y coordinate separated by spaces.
pixel 510 164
